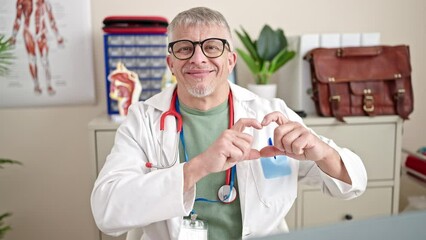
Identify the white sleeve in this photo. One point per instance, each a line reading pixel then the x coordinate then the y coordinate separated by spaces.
pixel 310 173
pixel 356 171
pixel 126 194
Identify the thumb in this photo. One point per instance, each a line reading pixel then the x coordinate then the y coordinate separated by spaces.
pixel 270 151
pixel 254 154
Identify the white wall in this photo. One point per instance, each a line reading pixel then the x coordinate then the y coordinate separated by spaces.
pixel 49 195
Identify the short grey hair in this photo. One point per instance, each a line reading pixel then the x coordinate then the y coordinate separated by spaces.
pixel 199 16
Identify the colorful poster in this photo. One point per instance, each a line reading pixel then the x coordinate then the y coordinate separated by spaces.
pixel 53 57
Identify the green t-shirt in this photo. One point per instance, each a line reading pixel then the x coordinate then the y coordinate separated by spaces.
pixel 201 129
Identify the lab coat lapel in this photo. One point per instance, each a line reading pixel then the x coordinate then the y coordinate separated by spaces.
pixel 242 110
pixel 174 226
pixel 167 140
pixel 170 141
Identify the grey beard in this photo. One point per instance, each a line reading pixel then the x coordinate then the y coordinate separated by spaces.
pixel 201 92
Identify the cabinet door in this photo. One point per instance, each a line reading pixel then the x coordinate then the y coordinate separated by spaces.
pixel 106 237
pixel 374 143
pixel 320 209
pixel 104 142
pixel 291 218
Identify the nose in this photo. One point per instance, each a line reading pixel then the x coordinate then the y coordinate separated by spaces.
pixel 198 55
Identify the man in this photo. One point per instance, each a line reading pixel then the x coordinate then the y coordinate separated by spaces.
pixel 229 137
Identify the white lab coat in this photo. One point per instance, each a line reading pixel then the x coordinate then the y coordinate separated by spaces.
pixel 127 195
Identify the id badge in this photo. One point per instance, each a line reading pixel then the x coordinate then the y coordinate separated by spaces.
pixel 193 229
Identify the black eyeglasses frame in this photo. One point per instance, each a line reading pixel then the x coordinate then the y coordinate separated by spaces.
pixel 224 41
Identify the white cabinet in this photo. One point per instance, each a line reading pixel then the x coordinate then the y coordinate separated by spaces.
pixel 102 133
pixel 376 140
pixel 319 209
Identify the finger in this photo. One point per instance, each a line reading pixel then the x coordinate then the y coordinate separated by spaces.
pixel 254 154
pixel 233 136
pixel 298 146
pixel 243 144
pixel 241 124
pixel 276 117
pixel 243 141
pixel 270 151
pixel 284 135
pixel 235 153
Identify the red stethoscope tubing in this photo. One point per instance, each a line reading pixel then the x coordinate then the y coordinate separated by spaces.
pixel 230 124
pixel 173 112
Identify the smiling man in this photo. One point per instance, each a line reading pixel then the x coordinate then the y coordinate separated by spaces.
pixel 201 79
pixel 194 160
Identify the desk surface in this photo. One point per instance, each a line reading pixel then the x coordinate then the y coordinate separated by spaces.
pixel 406 226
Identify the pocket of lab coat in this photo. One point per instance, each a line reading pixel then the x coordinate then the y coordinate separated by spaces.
pixel 275 185
pixel 274 167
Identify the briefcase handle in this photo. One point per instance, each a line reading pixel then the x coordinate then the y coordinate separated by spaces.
pixel 359 51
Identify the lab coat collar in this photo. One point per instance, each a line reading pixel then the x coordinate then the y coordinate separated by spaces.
pixel 242 98
pixel 162 100
pixel 241 94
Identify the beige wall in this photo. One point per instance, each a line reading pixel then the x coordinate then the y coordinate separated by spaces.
pixel 49 195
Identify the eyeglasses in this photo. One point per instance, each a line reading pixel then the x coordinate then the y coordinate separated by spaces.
pixel 211 48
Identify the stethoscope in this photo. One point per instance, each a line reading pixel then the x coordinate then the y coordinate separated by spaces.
pixel 162 164
pixel 227 192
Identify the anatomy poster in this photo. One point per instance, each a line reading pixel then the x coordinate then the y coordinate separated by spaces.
pixel 52 51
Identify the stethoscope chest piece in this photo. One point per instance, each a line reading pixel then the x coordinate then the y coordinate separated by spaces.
pixel 227 194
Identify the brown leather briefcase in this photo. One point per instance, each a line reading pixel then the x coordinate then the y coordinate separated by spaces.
pixel 361 81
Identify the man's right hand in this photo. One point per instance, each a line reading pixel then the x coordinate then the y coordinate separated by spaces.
pixel 232 146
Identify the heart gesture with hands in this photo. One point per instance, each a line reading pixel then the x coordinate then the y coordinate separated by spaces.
pixel 294 140
pixel 232 146
pixel 290 138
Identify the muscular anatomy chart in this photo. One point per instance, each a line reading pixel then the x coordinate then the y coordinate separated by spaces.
pixel 43 14
pixel 53 55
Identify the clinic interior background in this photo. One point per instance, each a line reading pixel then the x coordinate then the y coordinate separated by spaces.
pixel 49 194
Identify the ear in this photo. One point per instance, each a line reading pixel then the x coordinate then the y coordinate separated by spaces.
pixel 232 60
pixel 169 63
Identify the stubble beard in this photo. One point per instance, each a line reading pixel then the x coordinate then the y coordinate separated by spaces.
pixel 200 92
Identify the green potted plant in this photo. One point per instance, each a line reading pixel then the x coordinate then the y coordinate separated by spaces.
pixel 6 57
pixel 266 55
pixel 3 227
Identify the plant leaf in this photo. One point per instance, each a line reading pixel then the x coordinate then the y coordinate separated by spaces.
pixel 282 58
pixel 270 43
pixel 8 161
pixel 6 55
pixel 251 63
pixel 248 43
pixel 281 37
pixel 5 215
pixel 265 55
pixel 4 228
